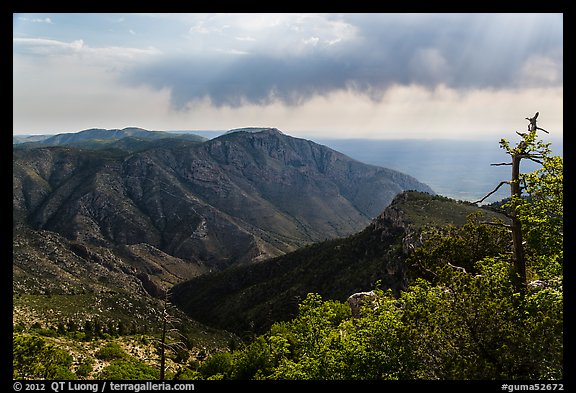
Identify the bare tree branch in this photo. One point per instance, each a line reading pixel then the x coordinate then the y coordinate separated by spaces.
pixel 422 267
pixel 501 163
pixel 493 191
pixel 500 224
pixel 457 268
pixel 535 160
pixel 532 125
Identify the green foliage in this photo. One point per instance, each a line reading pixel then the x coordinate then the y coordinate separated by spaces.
pixel 85 368
pixel 259 294
pixel 219 363
pixel 460 247
pixel 129 369
pixel 373 346
pixel 33 358
pixel 479 320
pixel 111 351
pixel 254 362
pixel 187 374
pixel 541 207
pixel 474 316
pixel 306 347
pixel 464 327
pixel 542 217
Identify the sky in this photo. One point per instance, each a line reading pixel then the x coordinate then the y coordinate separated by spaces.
pixel 352 75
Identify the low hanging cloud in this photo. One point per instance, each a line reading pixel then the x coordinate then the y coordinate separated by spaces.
pixel 292 61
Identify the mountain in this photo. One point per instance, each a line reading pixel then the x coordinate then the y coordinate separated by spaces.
pixel 114 134
pixel 239 198
pixel 254 130
pixel 101 233
pixel 250 298
pixel 129 139
pixel 28 139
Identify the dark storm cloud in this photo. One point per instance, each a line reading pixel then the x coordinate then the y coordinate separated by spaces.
pixel 252 79
pixel 461 51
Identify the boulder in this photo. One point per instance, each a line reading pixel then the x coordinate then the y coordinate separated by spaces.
pixel 359 299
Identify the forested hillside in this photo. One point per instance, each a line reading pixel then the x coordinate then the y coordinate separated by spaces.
pixel 252 297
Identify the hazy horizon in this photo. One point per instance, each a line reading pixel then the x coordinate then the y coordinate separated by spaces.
pixel 553 137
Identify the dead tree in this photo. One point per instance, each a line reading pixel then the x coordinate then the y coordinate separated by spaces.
pixel 522 150
pixel 532 123
pixel 168 321
pixel 165 318
pixel 516 226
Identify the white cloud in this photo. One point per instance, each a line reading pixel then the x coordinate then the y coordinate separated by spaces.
pixel 246 38
pixel 36 20
pixel 45 46
pixel 275 34
pixel 78 48
pixel 313 41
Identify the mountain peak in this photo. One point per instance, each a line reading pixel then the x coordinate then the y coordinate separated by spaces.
pixel 254 130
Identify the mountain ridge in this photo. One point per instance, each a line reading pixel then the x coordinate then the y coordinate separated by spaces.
pixel 189 200
pixel 104 232
pixel 100 138
pixel 255 130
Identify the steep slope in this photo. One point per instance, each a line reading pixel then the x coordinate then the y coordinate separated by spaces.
pixel 245 298
pixel 103 227
pixel 239 198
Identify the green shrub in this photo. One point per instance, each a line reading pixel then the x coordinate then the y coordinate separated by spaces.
pixel 129 369
pixel 185 373
pixel 34 358
pixel 111 351
pixel 85 368
pixel 218 363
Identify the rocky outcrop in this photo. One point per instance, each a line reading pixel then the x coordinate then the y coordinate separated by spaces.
pixel 360 299
pixel 393 220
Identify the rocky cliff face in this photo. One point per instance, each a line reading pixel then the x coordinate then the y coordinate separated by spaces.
pixel 393 220
pixel 242 197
